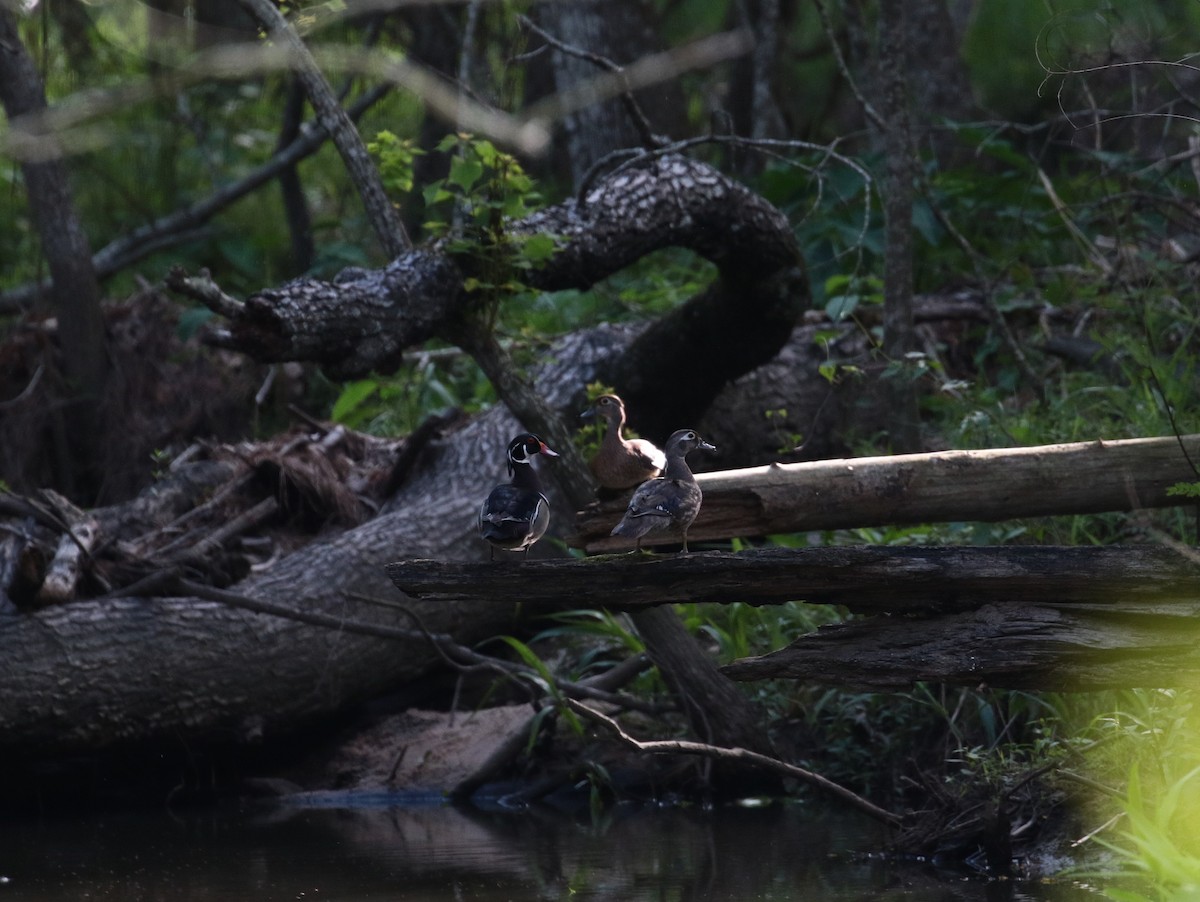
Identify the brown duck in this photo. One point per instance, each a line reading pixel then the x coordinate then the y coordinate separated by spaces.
pixel 670 502
pixel 621 463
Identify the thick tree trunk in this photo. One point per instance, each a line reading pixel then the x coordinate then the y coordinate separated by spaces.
pixel 108 672
pixel 899 383
pixel 989 485
pixel 365 320
pixel 616 30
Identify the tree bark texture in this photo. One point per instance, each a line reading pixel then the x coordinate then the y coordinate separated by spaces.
pixel 618 31
pixel 1047 618
pixel 365 320
pixel 1011 646
pixel 100 673
pixel 1148 580
pixel 898 383
pixel 987 485
pixel 76 293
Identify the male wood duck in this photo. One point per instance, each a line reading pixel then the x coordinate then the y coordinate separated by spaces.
pixel 671 501
pixel 621 463
pixel 516 515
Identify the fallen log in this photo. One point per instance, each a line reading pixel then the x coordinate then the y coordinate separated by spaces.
pixel 868 579
pixel 987 485
pixel 1048 618
pixel 1051 648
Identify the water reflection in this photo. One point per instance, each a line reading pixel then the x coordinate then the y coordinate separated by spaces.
pixel 431 852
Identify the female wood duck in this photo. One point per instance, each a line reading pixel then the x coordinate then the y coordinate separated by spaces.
pixel 516 515
pixel 670 502
pixel 621 463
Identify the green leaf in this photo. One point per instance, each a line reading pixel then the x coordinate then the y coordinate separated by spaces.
pixel 465 173
pixel 530 658
pixel 435 192
pixel 539 248
pixel 1185 490
pixel 841 305
pixel 352 398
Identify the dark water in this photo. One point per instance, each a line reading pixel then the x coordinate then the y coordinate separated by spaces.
pixel 433 852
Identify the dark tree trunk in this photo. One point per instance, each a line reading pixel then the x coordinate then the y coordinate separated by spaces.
pixel 898 383
pixel 619 31
pixel 75 293
pixel 295 206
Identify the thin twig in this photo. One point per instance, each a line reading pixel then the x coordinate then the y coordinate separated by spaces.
pixel 26 391
pixel 684 747
pixel 871 113
pixel 640 121
pixel 186 224
pixel 383 215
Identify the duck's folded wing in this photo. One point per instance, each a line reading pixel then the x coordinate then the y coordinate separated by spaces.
pixel 653 499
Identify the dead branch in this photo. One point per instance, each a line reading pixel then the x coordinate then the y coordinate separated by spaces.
pixel 742 757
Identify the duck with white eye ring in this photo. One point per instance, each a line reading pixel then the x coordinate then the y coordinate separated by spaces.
pixel 621 463
pixel 670 502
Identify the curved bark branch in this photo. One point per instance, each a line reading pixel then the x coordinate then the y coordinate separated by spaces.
pixel 364 320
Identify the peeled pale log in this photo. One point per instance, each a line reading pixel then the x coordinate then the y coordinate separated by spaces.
pixel 988 485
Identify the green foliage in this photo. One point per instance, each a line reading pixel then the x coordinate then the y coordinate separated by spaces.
pixel 844 293
pixel 486 190
pixel 545 680
pixel 395 157
pixel 1158 841
pixel 397 404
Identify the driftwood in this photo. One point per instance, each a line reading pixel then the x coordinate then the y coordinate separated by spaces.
pixel 1031 617
pixel 988 485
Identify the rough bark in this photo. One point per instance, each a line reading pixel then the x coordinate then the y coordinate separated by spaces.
pixel 106 672
pixel 903 423
pixel 364 321
pixel 1012 646
pixel 618 32
pixel 75 292
pixel 1046 618
pixel 987 485
pixel 1147 580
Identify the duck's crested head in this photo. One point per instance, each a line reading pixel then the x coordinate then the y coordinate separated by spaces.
pixel 525 447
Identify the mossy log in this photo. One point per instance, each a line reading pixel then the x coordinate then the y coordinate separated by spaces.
pixel 988 485
pixel 1046 617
